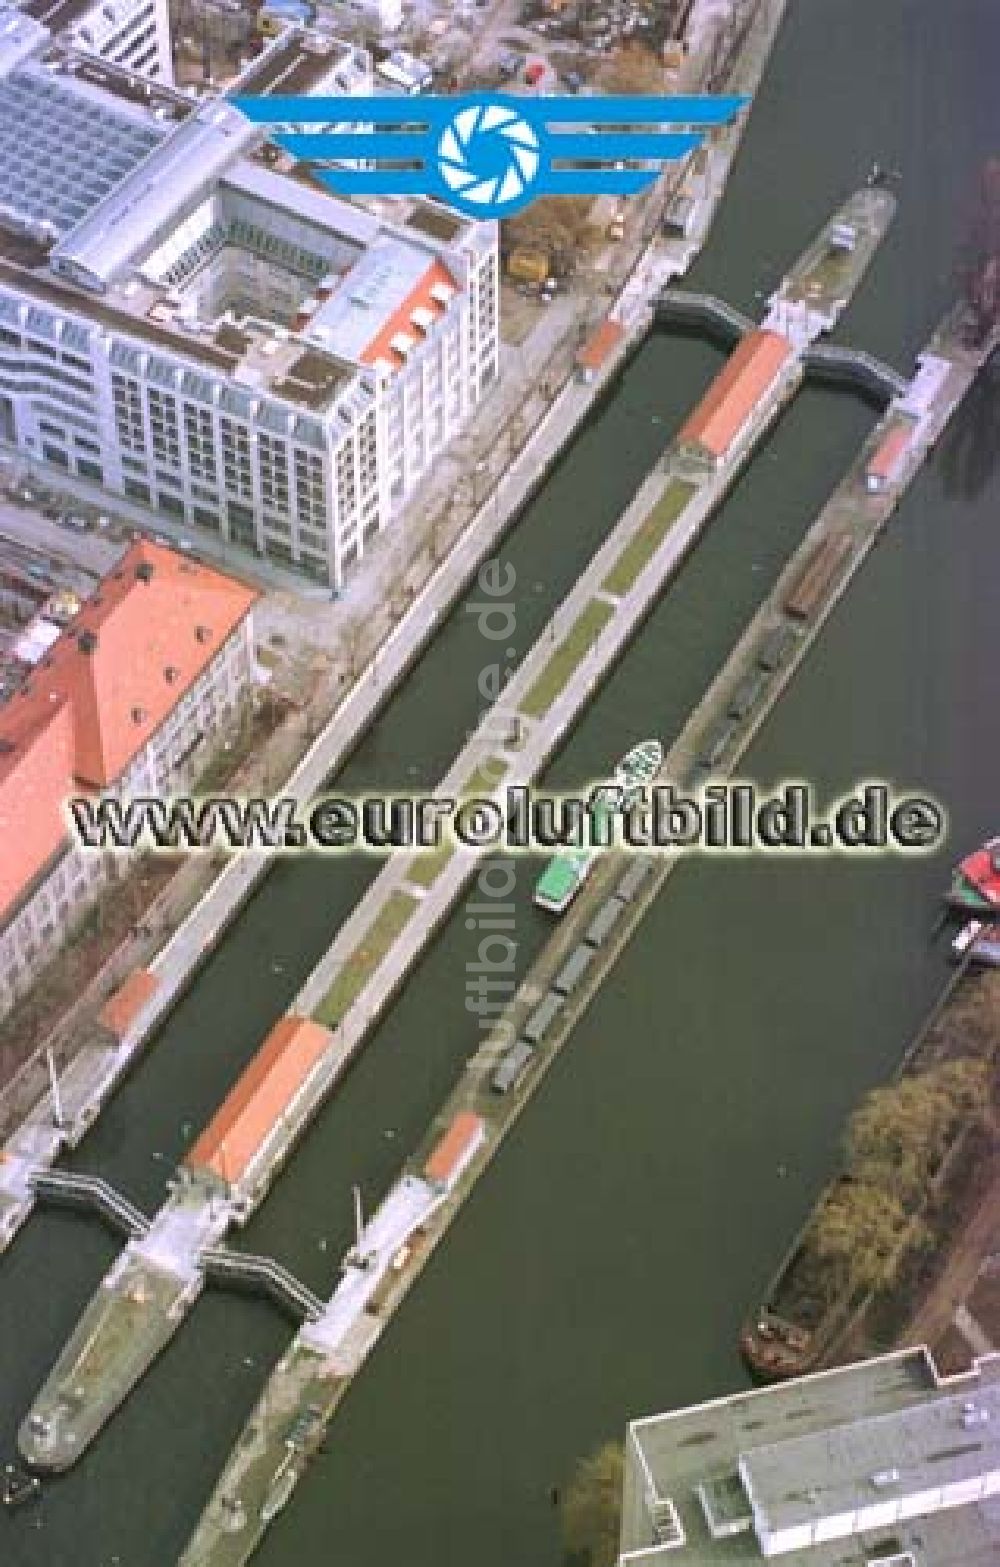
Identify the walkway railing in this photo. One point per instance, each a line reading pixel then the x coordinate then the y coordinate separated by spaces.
pixel 857 366
pixel 265 1275
pixel 89 1191
pixel 706 310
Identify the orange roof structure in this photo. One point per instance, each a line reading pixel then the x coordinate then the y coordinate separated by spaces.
pixel 891 450
pixel 121 665
pixel 600 344
pixel 262 1095
pixel 748 373
pixel 419 300
pixel 123 1006
pixel 455 1149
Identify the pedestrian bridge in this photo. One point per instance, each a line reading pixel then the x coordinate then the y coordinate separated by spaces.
pixel 686 308
pixel 831 362
pixel 827 361
pixel 71 1190
pixel 264 1276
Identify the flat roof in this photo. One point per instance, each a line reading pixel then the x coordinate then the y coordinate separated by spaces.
pixel 313 202
pixel 436 222
pixel 64 147
pixel 295 64
pixel 119 81
pixel 900 1453
pixel 372 291
pixel 45 287
pixel 810 1448
pixel 313 379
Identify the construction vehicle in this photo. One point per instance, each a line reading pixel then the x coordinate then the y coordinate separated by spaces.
pixel 528 266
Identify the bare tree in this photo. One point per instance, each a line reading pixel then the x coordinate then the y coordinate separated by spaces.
pixel 591 1507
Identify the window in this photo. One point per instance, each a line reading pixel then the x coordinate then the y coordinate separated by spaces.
pixel 136 491
pixel 90 470
pixel 55 454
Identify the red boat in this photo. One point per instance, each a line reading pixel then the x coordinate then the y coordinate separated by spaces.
pixel 975 886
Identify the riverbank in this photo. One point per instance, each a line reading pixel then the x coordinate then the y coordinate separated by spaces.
pixel 904 1210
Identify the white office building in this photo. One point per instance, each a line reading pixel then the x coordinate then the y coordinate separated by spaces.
pixel 192 323
pixel 130 33
pixel 885 1463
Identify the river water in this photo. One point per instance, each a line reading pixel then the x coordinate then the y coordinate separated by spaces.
pixel 602 1265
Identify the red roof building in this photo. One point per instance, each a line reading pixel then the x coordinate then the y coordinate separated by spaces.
pixel 456 1150
pixel 95 701
pixel 423 306
pixel 887 462
pixel 262 1095
pixel 125 1004
pixel 599 346
pixel 744 381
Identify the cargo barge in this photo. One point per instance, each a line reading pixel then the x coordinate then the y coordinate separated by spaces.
pixel 566 871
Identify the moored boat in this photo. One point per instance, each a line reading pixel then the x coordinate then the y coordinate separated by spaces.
pixel 566 871
pixel 17 1486
pixel 975 883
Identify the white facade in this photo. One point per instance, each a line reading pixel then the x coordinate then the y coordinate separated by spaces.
pixel 131 33
pixel 207 338
pixel 150 423
pixel 886 1463
pixel 385 15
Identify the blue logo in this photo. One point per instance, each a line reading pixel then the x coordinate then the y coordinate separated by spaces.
pixel 489 154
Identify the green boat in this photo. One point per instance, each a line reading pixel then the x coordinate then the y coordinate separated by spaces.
pixel 566 871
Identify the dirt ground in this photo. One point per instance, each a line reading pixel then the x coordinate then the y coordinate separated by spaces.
pixel 966 1277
